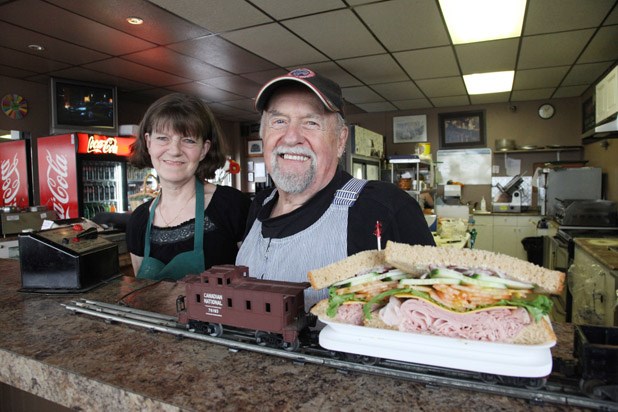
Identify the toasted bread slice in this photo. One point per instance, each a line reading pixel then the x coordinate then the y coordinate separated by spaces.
pixel 352 265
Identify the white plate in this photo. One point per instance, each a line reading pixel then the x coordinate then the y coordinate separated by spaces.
pixel 487 357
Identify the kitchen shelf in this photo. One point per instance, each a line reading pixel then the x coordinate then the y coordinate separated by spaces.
pixel 541 150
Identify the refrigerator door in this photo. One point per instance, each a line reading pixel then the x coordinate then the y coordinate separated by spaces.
pixel 103 187
pixel 58 178
pixel 15 188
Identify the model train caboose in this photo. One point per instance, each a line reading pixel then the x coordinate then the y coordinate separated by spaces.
pixel 225 295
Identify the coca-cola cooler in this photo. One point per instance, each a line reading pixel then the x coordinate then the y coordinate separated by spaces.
pixel 82 174
pixel 16 187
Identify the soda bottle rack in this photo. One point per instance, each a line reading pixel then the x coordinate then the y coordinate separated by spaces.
pixel 93 208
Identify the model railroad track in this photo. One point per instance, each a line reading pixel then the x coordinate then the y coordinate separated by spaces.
pixel 556 389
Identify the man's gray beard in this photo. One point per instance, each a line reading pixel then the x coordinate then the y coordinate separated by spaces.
pixel 292 182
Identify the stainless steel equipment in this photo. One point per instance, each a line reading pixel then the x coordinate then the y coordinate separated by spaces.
pixel 593 213
pixel 510 197
pixel 567 183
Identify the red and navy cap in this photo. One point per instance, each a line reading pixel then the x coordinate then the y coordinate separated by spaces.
pixel 327 90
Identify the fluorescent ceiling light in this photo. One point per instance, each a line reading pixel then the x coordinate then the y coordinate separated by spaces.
pixel 483 83
pixel 472 21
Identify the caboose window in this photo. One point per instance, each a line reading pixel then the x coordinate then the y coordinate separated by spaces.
pixel 267 307
pixel 228 281
pixel 229 302
pixel 248 304
pixel 286 305
pixel 219 281
pixel 198 297
pixel 205 279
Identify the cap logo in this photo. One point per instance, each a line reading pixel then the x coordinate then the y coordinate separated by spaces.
pixel 302 73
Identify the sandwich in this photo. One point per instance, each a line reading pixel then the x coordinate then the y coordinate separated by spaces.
pixel 462 293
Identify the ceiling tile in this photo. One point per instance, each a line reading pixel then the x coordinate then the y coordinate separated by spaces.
pixel 585 73
pixel 412 104
pixel 536 94
pixel 603 47
pixel 244 104
pixel 398 91
pixel 490 98
pixel 360 94
pixel 167 60
pixel 235 84
pixel 613 18
pixel 289 50
pixel 26 61
pixel 429 63
pixel 136 72
pixel 450 101
pixel 285 9
pixel 206 92
pixel 448 86
pixel 15 72
pixel 265 76
pixel 159 26
pixel 405 25
pixel 539 78
pixel 377 107
pixel 548 50
pixel 547 16
pixel 374 69
pixel 221 53
pixel 341 34
pixel 86 75
pixel 490 56
pixel 18 39
pixel 216 15
pixel 569 91
pixel 62 24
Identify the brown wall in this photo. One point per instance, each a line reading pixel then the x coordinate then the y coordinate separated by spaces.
pixel 523 125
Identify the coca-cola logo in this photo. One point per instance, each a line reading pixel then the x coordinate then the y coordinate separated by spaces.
pixel 57 172
pixel 10 181
pixel 109 145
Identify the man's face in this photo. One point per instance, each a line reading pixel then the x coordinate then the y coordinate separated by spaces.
pixel 302 140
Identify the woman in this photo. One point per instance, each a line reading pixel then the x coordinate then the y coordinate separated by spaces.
pixel 192 224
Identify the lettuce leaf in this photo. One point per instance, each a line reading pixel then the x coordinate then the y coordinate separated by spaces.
pixel 537 308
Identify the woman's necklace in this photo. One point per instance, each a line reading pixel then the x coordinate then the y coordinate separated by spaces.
pixel 168 223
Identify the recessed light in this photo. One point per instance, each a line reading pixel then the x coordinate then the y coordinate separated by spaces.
pixel 36 47
pixel 483 83
pixel 135 20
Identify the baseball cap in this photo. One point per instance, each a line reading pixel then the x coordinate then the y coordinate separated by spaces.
pixel 327 90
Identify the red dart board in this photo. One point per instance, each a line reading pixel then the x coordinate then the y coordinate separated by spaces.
pixel 14 106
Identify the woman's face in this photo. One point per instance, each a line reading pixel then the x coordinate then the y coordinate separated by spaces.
pixel 175 157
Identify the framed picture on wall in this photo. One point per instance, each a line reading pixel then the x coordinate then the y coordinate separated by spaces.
pixel 254 148
pixel 462 129
pixel 410 129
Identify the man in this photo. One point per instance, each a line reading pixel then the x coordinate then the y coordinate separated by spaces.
pixel 318 214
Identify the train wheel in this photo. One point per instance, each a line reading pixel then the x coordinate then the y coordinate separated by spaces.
pixel 536 383
pixel 291 346
pixel 215 329
pixel 261 338
pixel 587 385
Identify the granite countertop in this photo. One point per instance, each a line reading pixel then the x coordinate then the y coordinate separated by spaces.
pixel 84 363
pixel 605 250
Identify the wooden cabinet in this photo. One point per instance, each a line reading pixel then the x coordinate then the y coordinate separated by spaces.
pixel 606 101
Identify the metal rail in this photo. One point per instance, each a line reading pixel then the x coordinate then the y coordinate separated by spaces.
pixel 566 393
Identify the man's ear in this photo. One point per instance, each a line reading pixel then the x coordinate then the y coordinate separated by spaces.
pixel 343 138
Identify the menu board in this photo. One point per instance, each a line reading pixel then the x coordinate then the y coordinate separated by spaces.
pixel 468 166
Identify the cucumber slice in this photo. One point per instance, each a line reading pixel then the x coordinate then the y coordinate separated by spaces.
pixel 393 275
pixel 446 273
pixel 429 281
pixel 483 283
pixel 511 284
pixel 356 280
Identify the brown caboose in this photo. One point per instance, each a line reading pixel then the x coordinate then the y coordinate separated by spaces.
pixel 225 295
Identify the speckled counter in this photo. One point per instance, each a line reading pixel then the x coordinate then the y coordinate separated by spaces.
pixel 605 250
pixel 83 363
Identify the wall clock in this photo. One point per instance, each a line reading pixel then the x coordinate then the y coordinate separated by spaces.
pixel 546 111
pixel 14 106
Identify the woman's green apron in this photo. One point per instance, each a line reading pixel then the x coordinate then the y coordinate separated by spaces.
pixel 184 263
